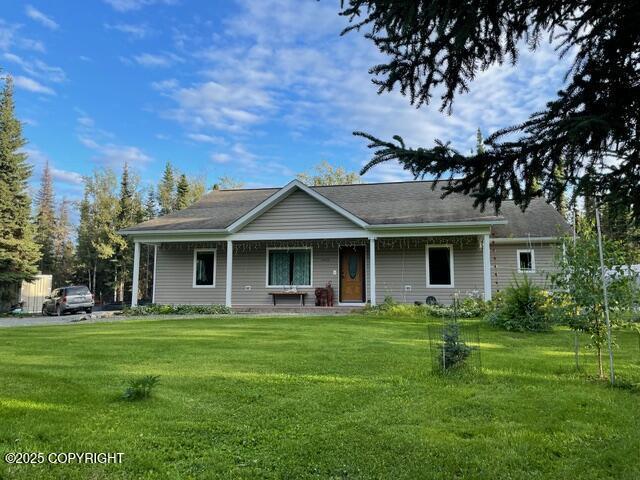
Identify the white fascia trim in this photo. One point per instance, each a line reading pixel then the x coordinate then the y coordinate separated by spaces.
pixel 401 226
pixel 283 193
pixel 215 264
pixel 315 235
pixel 527 240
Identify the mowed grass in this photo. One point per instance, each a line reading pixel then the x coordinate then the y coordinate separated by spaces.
pixel 309 397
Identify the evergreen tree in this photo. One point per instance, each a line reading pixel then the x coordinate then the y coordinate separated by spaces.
pixel 150 206
pixel 182 193
pixel 19 254
pixel 590 127
pixel 45 222
pixel 166 190
pixel 479 142
pixel 64 260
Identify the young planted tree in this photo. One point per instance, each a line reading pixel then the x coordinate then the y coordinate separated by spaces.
pixel 19 254
pixel 586 138
pixel 45 221
pixel 326 174
pixel 579 281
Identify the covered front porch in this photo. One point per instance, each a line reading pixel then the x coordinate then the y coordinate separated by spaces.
pixel 247 274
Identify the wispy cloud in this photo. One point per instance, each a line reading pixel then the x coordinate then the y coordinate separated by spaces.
pixel 37 68
pixel 107 150
pixel 31 85
pixel 37 16
pixel 136 31
pixel 155 60
pixel 203 138
pixel 66 182
pixel 10 38
pixel 129 5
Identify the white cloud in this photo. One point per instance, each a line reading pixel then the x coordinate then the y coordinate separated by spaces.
pixel 128 5
pixel 114 154
pixel 203 138
pixel 137 31
pixel 41 18
pixel 31 85
pixel 157 60
pixel 10 38
pixel 37 68
pixel 107 150
pixel 66 176
pixel 66 182
pixel 220 157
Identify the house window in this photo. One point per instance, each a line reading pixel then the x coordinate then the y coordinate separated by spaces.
pixel 289 267
pixel 526 261
pixel 204 268
pixel 439 266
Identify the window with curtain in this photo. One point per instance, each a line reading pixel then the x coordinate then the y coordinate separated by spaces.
pixel 204 268
pixel 289 267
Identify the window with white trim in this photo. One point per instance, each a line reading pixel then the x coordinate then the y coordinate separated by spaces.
pixel 439 266
pixel 289 267
pixel 526 261
pixel 204 268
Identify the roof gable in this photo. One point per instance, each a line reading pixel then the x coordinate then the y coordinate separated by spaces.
pixel 285 192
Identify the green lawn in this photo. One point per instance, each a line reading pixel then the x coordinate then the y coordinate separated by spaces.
pixel 339 397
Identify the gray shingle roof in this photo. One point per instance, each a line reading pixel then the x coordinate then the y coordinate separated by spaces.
pixel 375 203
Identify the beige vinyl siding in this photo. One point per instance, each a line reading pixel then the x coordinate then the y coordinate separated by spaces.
pixel 504 264
pixel 174 278
pixel 398 267
pixel 250 276
pixel 299 212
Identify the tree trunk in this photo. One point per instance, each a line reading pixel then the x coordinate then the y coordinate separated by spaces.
pixel 599 354
pixel 95 269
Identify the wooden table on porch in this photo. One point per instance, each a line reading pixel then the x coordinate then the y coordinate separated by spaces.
pixel 302 296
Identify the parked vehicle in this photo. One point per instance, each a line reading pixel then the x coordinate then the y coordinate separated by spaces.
pixel 68 299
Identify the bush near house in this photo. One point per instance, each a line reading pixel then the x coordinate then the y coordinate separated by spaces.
pixel 470 307
pixel 522 307
pixel 154 309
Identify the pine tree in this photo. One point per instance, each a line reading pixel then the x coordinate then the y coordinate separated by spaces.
pixel 19 254
pixel 64 263
pixel 45 222
pixel 166 190
pixel 433 51
pixel 182 193
pixel 150 206
pixel 479 143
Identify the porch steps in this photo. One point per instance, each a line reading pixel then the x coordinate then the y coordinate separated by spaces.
pixel 294 310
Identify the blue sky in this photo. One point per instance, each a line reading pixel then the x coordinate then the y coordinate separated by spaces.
pixel 256 89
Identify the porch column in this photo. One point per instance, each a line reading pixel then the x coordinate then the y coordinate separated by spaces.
pixel 372 270
pixel 136 274
pixel 229 278
pixel 486 263
pixel 155 263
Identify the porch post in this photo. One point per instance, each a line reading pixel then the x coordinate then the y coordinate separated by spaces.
pixel 372 270
pixel 155 263
pixel 229 273
pixel 136 274
pixel 486 263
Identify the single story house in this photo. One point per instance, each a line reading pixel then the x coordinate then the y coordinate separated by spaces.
pixel 371 241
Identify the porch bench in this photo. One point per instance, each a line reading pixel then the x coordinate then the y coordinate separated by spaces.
pixel 302 296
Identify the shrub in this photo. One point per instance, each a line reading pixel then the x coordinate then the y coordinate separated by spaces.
pixel 522 307
pixel 140 388
pixel 454 351
pixel 154 309
pixel 470 307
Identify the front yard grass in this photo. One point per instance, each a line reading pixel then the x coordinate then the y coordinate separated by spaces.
pixel 292 397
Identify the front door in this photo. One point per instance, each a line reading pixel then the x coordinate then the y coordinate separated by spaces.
pixel 352 279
